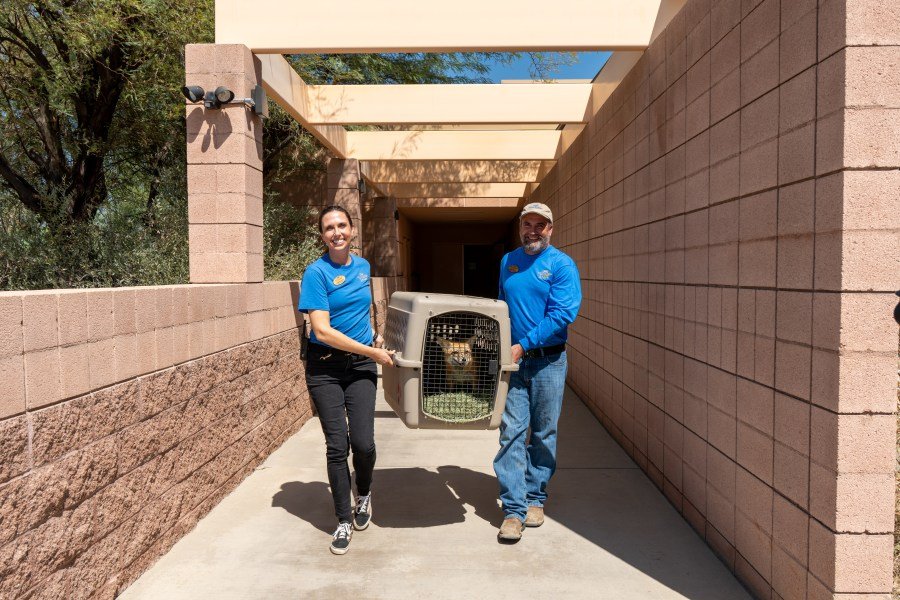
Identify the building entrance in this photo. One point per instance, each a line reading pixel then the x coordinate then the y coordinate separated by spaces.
pixel 481 269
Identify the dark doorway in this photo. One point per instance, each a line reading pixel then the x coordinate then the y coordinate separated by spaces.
pixel 443 251
pixel 481 269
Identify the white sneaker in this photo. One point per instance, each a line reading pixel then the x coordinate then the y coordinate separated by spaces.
pixel 362 515
pixel 340 541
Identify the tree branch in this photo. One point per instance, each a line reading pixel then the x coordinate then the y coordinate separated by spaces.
pixel 26 193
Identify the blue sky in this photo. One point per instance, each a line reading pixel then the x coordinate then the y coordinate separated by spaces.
pixel 588 65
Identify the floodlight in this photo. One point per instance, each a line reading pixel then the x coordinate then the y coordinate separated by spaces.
pixel 223 95
pixel 194 93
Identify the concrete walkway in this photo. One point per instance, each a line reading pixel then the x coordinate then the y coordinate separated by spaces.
pixel 609 532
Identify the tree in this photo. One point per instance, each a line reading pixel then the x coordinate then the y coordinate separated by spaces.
pixel 84 84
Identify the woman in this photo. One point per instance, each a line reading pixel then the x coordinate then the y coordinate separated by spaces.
pixel 340 368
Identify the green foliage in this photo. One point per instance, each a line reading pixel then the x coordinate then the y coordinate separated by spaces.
pixel 290 241
pixel 121 246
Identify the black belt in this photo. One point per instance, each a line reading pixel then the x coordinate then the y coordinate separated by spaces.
pixel 545 351
pixel 321 351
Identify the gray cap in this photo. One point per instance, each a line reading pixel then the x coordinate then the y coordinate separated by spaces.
pixel 538 209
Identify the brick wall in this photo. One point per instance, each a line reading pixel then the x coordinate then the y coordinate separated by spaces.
pixel 733 211
pixel 126 415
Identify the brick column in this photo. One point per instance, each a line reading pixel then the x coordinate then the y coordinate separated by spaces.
pixel 382 240
pixel 343 190
pixel 225 183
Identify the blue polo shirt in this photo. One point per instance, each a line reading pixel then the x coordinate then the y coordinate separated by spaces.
pixel 543 292
pixel 342 290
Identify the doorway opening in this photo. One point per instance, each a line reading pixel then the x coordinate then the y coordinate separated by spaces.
pixel 481 269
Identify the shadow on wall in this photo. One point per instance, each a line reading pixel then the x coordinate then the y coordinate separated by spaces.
pixel 402 492
pixel 600 494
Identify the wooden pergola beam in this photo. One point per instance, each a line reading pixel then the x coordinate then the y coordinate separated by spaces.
pixel 457 202
pixel 441 104
pixel 454 145
pixel 453 190
pixel 353 26
pixel 284 85
pixel 454 171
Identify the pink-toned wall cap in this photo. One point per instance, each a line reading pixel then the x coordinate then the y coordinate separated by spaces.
pixel 537 208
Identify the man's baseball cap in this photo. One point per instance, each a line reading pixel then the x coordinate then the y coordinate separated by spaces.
pixel 538 209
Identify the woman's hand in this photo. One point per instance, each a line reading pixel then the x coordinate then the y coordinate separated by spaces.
pixel 383 357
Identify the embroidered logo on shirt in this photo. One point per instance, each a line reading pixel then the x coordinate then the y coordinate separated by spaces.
pixel 544 275
pixel 339 280
pixel 513 269
pixel 362 277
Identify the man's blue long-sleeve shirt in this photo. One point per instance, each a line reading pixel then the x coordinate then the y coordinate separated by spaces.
pixel 543 292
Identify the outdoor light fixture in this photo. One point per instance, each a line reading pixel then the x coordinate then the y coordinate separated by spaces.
pixel 194 93
pixel 222 95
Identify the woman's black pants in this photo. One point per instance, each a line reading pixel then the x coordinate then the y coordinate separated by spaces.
pixel 342 387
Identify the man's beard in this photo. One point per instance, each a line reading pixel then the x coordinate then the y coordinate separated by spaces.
pixel 537 246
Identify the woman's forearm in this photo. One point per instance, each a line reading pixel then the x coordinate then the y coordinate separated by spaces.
pixel 334 338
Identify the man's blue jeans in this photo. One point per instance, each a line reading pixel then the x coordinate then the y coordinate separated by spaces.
pixel 534 400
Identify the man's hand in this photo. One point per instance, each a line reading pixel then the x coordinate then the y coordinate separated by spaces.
pixel 517 352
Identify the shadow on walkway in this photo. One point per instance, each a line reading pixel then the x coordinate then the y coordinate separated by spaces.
pixel 406 498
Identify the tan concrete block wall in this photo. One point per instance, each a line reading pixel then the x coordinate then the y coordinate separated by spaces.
pixel 733 211
pixel 127 414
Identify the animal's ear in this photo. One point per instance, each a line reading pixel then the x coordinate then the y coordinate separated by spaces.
pixel 444 343
pixel 471 341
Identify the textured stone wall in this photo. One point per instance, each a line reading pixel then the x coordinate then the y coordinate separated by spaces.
pixel 733 211
pixel 127 415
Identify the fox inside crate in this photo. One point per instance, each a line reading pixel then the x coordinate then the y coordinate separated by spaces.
pixel 459 363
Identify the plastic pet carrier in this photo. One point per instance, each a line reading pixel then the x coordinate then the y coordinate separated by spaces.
pixel 452 362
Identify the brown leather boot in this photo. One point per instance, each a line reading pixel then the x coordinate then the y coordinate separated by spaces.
pixel 535 516
pixel 511 529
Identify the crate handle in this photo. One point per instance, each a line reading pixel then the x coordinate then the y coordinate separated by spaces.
pixel 511 368
pixel 399 361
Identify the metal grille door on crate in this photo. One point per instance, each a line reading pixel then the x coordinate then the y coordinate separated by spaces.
pixel 460 366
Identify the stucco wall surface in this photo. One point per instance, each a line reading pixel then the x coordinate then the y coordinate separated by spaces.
pixel 733 211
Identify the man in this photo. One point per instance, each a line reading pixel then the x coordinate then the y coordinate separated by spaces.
pixel 542 288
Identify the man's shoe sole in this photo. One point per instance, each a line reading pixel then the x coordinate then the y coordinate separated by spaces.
pixel 533 523
pixel 338 551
